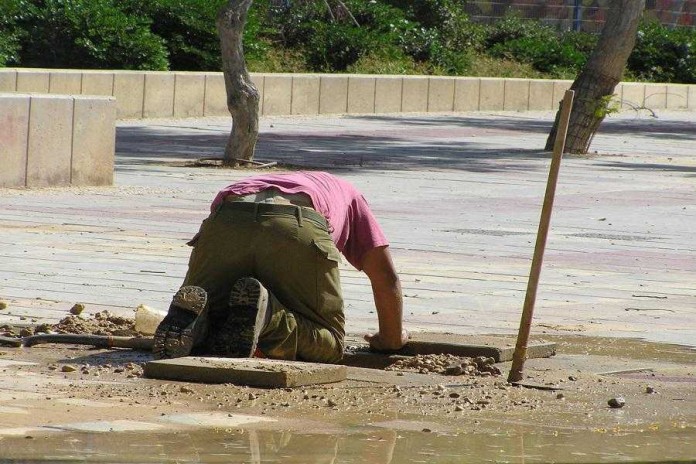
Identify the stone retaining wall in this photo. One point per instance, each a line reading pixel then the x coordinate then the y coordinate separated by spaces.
pixel 56 140
pixel 141 94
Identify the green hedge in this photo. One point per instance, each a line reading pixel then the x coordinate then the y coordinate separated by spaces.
pixel 663 54
pixel 393 36
pixel 80 34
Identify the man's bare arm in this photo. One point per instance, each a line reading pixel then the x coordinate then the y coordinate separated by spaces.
pixel 386 289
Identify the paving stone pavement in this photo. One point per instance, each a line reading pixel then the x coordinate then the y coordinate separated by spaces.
pixel 459 196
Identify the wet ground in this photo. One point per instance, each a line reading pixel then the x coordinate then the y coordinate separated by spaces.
pixel 61 402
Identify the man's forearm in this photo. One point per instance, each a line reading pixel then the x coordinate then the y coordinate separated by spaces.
pixel 389 305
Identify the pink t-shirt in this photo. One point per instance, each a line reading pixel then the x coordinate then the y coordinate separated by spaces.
pixel 353 227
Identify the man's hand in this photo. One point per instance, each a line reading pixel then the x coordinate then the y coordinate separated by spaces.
pixel 379 343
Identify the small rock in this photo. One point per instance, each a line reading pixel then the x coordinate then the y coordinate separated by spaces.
pixel 77 309
pixel 185 389
pixel 331 403
pixel 650 390
pixel 68 368
pixel 427 430
pixel 560 396
pixel 458 408
pixel 252 396
pixel 454 395
pixel 454 369
pixel 3 304
pixel 617 402
pixel 572 378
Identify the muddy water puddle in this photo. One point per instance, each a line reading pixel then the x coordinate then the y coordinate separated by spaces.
pixel 374 445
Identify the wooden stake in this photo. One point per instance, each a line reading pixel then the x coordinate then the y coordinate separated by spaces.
pixel 520 354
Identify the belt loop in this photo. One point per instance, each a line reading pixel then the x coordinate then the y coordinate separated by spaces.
pixel 256 212
pixel 299 216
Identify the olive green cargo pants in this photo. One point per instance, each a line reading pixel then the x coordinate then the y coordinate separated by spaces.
pixel 289 250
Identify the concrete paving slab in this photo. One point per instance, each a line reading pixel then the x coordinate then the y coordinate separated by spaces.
pixel 25 431
pixel 252 372
pixel 112 426
pixel 214 419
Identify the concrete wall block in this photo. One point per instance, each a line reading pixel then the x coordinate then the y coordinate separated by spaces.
pixel 159 95
pixel 277 94
pixel 388 94
pixel 65 82
pixel 415 94
pixel 215 96
pixel 305 94
pixel 189 94
pixel 97 83
pixel 93 141
pixel 656 96
pixel 467 93
pixel 632 95
pixel 516 95
pixel 692 97
pixel 129 88
pixel 29 80
pixel 14 127
pixel 8 80
pixel 677 96
pixel 541 95
pixel 559 90
pixel 492 94
pixel 50 140
pixel 441 94
pixel 361 94
pixel 333 94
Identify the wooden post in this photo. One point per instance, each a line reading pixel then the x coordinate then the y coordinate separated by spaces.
pixel 520 354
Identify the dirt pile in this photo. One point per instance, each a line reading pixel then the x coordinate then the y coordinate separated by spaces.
pixel 101 323
pixel 447 364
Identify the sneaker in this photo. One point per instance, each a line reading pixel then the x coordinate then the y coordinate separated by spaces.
pixel 184 326
pixel 248 308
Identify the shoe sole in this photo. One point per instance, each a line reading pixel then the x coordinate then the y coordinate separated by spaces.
pixel 176 334
pixel 239 335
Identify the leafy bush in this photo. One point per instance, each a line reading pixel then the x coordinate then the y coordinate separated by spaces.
pixel 547 50
pixel 9 35
pixel 83 34
pixel 187 28
pixel 663 54
pixel 512 27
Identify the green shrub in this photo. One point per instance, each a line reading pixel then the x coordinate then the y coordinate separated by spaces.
pixel 512 27
pixel 84 34
pixel 9 35
pixel 662 54
pixel 187 28
pixel 544 54
pixel 547 50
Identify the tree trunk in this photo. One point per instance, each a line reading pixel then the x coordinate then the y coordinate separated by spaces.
pixel 242 96
pixel 603 71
